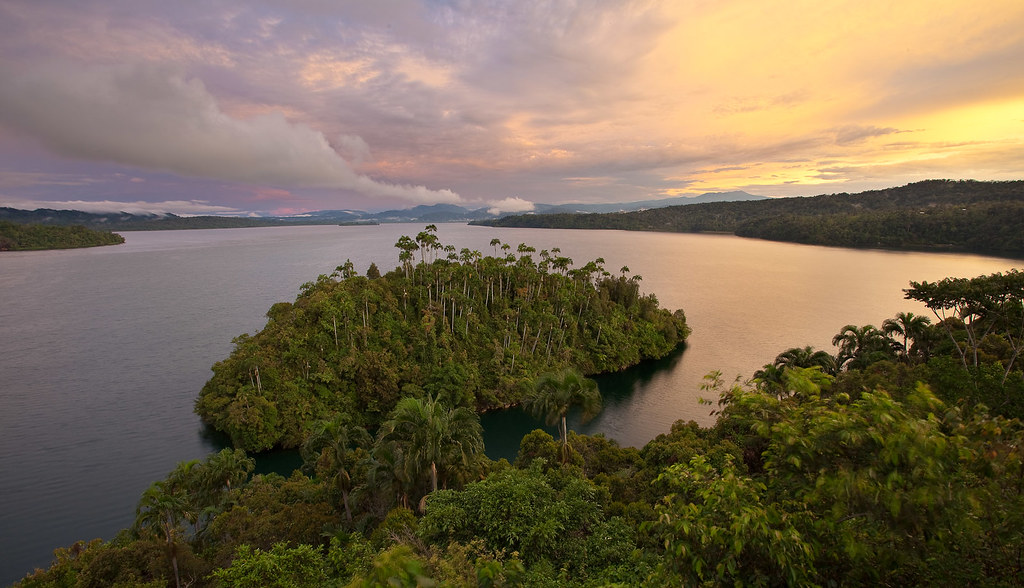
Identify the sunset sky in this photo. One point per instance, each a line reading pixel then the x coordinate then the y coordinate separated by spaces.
pixel 239 106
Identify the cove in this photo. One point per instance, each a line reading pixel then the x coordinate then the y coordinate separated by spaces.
pixel 503 429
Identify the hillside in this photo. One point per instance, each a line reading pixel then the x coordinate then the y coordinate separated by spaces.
pixel 933 215
pixel 23 237
pixel 434 213
pixel 125 221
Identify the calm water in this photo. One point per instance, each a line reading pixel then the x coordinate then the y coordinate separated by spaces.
pixel 103 351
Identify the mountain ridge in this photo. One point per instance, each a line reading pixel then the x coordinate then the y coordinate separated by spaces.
pixel 433 213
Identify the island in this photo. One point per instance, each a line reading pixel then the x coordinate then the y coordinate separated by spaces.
pixel 25 237
pixel 468 329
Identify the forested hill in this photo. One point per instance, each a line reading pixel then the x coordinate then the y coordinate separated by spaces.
pixel 468 329
pixel 933 215
pixel 124 221
pixel 17 237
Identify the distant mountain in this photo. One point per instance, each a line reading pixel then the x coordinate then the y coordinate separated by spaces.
pixel 435 213
pixel 124 221
pixel 932 215
pixel 738 196
pixel 448 213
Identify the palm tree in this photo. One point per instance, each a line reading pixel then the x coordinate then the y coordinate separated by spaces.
pixel 554 393
pixel 911 327
pixel 221 471
pixel 162 510
pixel 769 379
pixel 431 436
pixel 207 485
pixel 328 449
pixel 805 357
pixel 861 346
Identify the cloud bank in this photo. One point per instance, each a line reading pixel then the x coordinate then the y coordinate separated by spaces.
pixel 368 104
pixel 156 118
pixel 510 205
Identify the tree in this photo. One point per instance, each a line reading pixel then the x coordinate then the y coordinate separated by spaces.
pixel 723 528
pixel 162 510
pixel 554 393
pixel 805 357
pixel 406 245
pixel 983 306
pixel 194 492
pixel 861 346
pixel 537 514
pixel 280 567
pixel 911 328
pixel 328 449
pixel 432 437
pixel 373 272
pixel 768 379
pixel 208 485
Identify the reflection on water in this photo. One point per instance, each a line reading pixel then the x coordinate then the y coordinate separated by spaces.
pixel 620 391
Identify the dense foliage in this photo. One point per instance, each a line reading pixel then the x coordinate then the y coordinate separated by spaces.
pixel 881 464
pixel 125 221
pixel 934 215
pixel 17 237
pixel 465 328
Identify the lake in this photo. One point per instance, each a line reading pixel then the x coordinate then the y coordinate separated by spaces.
pixel 103 351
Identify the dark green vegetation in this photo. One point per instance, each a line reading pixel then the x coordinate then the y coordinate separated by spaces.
pixel 435 213
pixel 464 328
pixel 934 215
pixel 123 221
pixel 15 237
pixel 897 461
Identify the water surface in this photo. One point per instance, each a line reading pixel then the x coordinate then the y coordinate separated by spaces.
pixel 103 351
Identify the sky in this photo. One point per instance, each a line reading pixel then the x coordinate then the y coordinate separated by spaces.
pixel 284 107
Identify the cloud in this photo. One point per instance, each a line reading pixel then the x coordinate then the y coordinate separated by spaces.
pixel 584 101
pixel 847 134
pixel 154 117
pixel 179 207
pixel 513 204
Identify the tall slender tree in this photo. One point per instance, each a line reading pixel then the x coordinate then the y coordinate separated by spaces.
pixel 328 452
pixel 554 393
pixel 162 512
pixel 910 328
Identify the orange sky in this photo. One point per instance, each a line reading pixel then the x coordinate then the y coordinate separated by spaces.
pixel 395 103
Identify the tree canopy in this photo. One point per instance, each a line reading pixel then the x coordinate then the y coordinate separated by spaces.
pixel 885 469
pixel 467 329
pixel 22 237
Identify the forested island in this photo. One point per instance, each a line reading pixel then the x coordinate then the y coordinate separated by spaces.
pixel 20 237
pixel 893 459
pixel 466 329
pixel 125 221
pixel 933 215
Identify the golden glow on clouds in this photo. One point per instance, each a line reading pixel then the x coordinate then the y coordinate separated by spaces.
pixel 421 70
pixel 606 101
pixel 325 72
pixel 750 78
pixel 996 121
